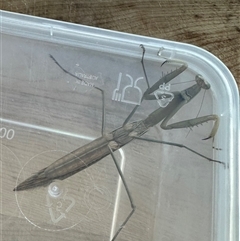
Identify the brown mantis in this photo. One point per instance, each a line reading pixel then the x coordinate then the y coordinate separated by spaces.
pixel 107 144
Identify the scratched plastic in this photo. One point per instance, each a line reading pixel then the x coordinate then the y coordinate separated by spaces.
pixel 46 113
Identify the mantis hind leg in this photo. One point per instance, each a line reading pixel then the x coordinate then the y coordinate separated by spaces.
pixel 128 194
pixel 111 152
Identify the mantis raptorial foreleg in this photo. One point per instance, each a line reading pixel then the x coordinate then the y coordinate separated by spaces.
pixel 165 79
pixel 180 99
pixel 185 97
pixel 193 122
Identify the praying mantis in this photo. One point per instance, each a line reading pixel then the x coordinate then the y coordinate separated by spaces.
pixel 108 143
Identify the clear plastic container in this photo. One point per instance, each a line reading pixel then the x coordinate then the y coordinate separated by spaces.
pixel 47 113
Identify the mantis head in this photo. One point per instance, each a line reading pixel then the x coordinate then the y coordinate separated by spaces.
pixel 201 82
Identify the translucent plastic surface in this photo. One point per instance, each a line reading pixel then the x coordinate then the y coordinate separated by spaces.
pixel 47 113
